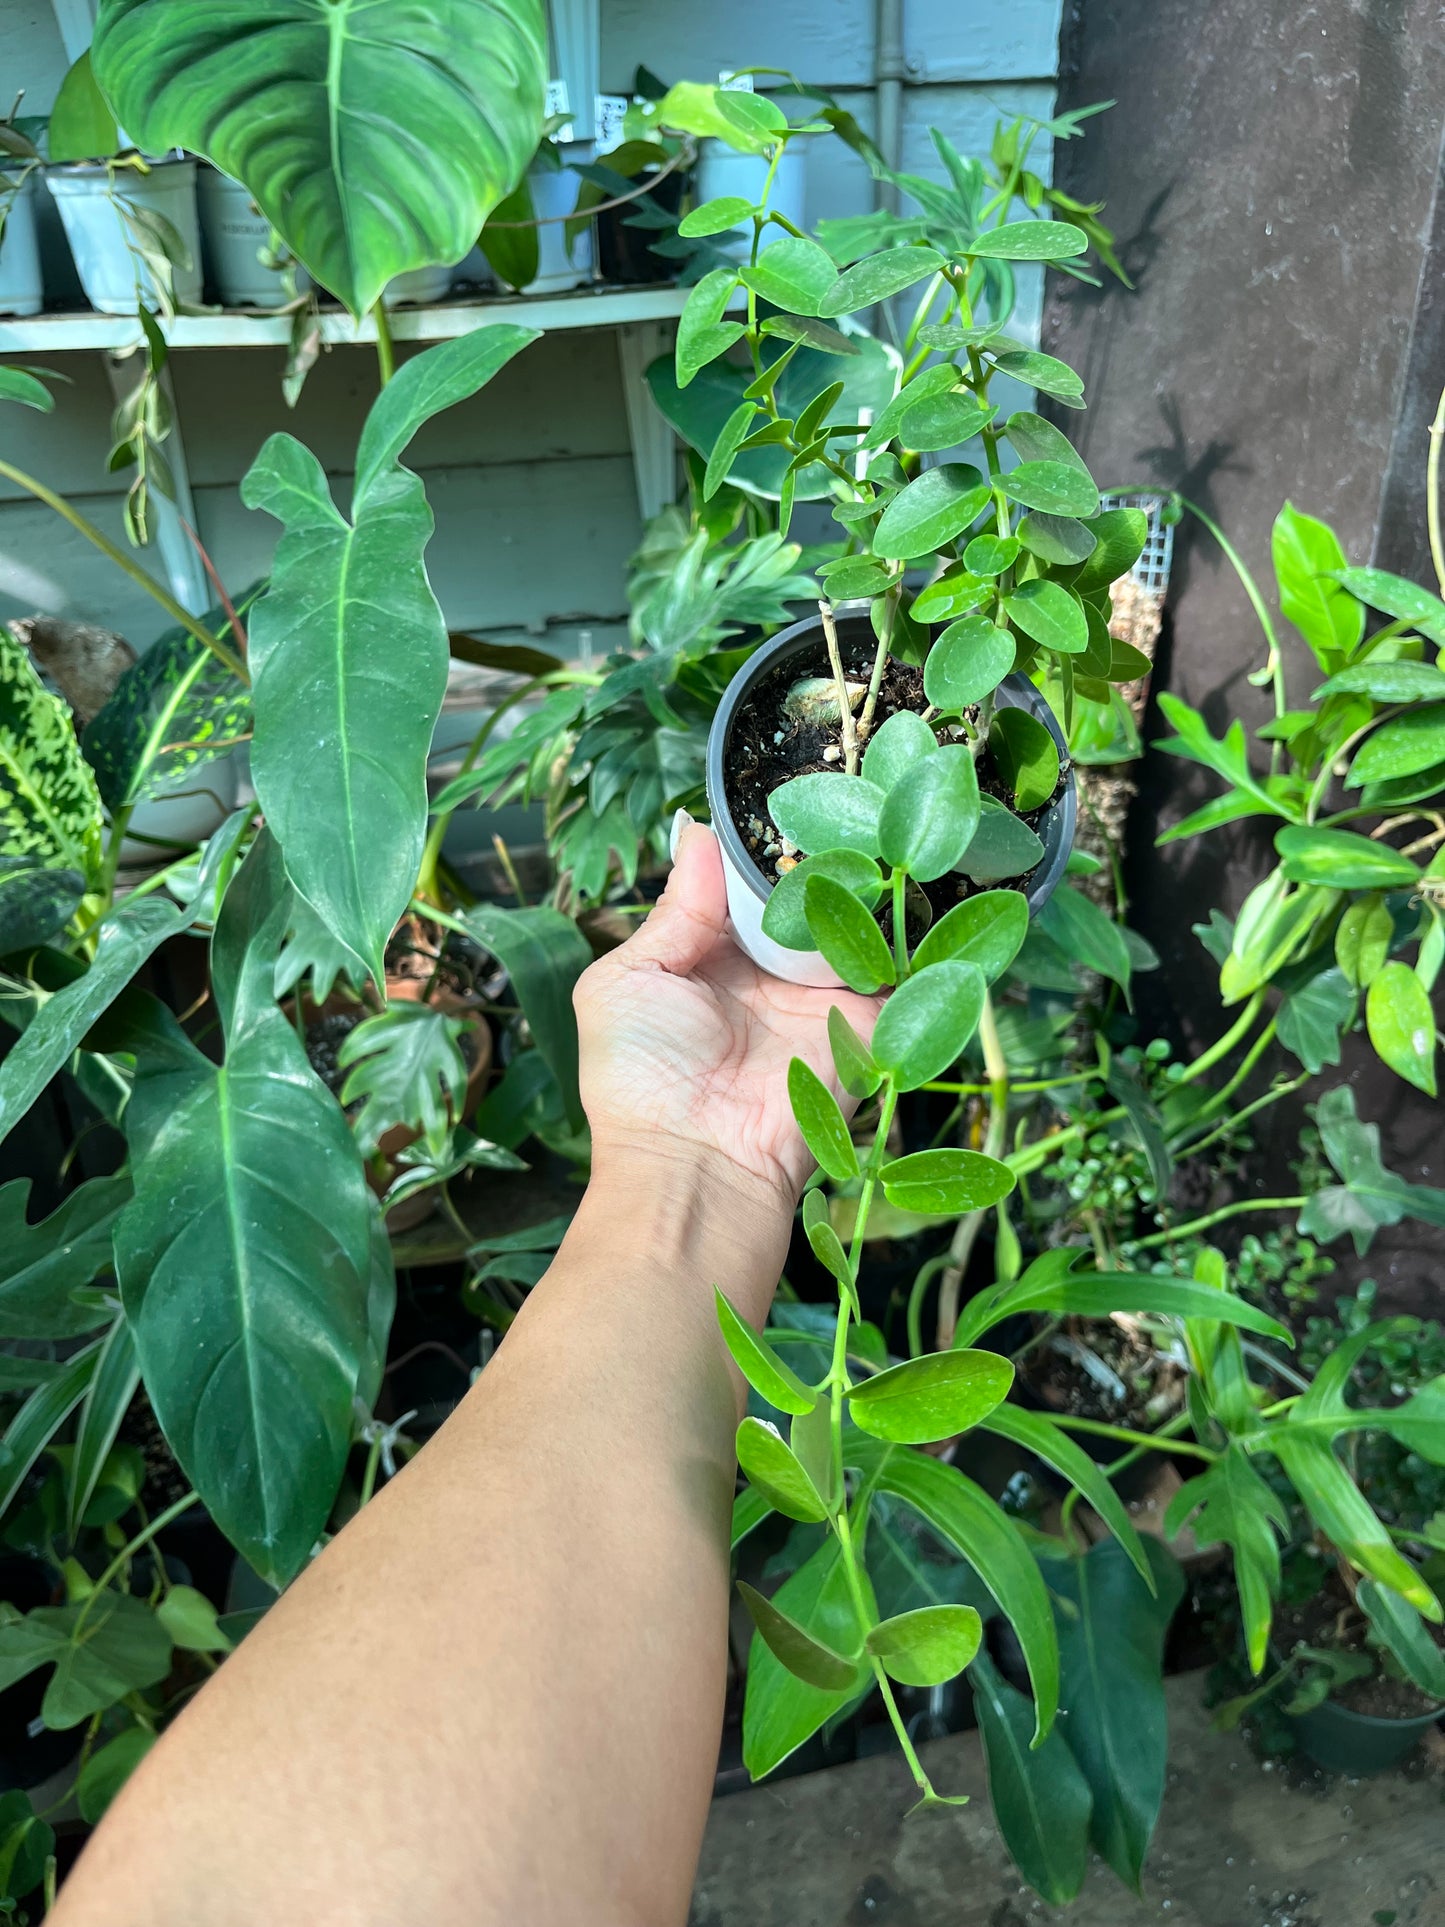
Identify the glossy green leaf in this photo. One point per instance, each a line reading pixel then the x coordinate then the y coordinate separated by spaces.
pixel 1025 755
pixel 826 1245
pixel 783 913
pixel 1230 1504
pixel 847 935
pixel 793 273
pixel 1307 561
pixel 1035 440
pixel 1398 597
pixel 1053 1285
pixel 1029 241
pixel 1341 1512
pixel 1049 614
pixel 726 446
pixel 374 140
pixel 1112 1648
pixel 946 1180
pixel 927 1646
pixel 248 1298
pixel 929 816
pixel 930 1398
pixel 902 740
pixel 878 277
pixel 926 1023
pixel 404 1067
pixel 968 661
pixel 1044 372
pixel 771 1466
pixel 1041 1800
pixel 82 126
pixel 311 952
pixel 760 1365
pixel 938 380
pixel 702 333
pixel 987 930
pixel 716 216
pixel 42 1265
pixel 107 1400
pixel 50 817
pixel 1316 1005
pixel 821 1122
pixel 954 594
pixel 1399 1628
pixel 828 810
pixel 805 1657
pixel 1402 1025
pixel 1400 747
pixel 694 107
pixel 1057 540
pixel 191 1620
pixel 102 1649
pixel 930 510
pixel 1362 940
pixel 977 1528
pixel 23 386
pixel 1002 847
pixel 108 1769
pixel 1342 860
pixel 1087 934
pixel 544 953
pixel 858 1073
pixel 1039 1435
pixel 1056 488
pixel 990 555
pixel 781 1711
pixel 1387 682
pixel 36 901
pixel 943 421
pixel 41 1417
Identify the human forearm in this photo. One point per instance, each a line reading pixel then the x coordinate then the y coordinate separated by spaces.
pixel 532 1614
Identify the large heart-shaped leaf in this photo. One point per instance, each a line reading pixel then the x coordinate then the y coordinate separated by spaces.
pixel 245 1259
pixel 49 810
pixel 349 653
pixel 374 137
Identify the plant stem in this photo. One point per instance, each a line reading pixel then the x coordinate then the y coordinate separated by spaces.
pixel 1210 1218
pixel 966 1233
pixel 880 663
pixel 1432 494
pixel 1157 1441
pixel 1030 1085
pixel 124 563
pixel 845 708
pixel 385 350
pixel 130 1548
pixel 900 919
pixel 1273 671
pixel 1256 1050
pixel 1226 1043
pixel 368 1477
pixel 1271 1096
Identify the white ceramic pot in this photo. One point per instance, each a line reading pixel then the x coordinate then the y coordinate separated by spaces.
pixel 21 289
pixel 749 890
pixel 473 272
pixel 182 820
pixel 722 170
pixel 575 32
pixel 235 232
pixel 554 192
pixel 86 197
pixel 423 286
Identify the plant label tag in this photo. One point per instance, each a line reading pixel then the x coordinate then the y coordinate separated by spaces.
pixel 558 102
pixel 735 83
pixel 610 111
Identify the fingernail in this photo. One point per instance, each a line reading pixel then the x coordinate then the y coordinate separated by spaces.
pixel 680 820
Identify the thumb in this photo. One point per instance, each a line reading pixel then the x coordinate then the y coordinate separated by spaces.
pixel 691 913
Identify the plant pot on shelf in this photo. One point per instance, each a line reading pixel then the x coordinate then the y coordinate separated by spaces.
pixel 1341 1740
pixel 721 170
pixel 561 264
pixel 22 291
pixel 95 227
pixel 236 233
pixel 748 889
pixel 624 254
pixel 418 287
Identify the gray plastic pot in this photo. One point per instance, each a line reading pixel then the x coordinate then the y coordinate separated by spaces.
pixel 749 889
pixel 1343 1741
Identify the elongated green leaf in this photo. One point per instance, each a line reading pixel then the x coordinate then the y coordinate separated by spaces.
pixel 41 1417
pixel 82 126
pixel 246 1289
pixel 927 1021
pixel 946 1181
pixel 858 1074
pixel 176 709
pixel 975 1526
pixel 1112 1649
pixel 50 815
pixel 1362 940
pixel 780 1711
pixel 123 941
pixel 771 1466
pixel 374 140
pixel 930 815
pixel 1307 561
pixel 108 1769
pixel 349 654
pixel 1402 1024
pixel 927 1646
pixel 1029 241
pixel 22 385
pixel 985 930
pixel 1387 682
pixel 726 447
pixel 1340 1510
pixel 107 1400
pixel 845 932
pixel 930 1398
pixel 1399 1628
pixel 1041 1799
pixel 826 1245
pixel 760 1365
pixel 821 1122
pixel 702 334
pixel 1342 860
pixel 1230 1504
pixel 1051 1284
pixel 1026 756
pixel 1002 846
pixel 784 914
pixel 544 953
pixel 968 660
pixel 750 1508
pixel 1037 1434
pixel 1397 597
pixel 878 277
pixel 930 510
pixel 41 1265
pixel 1087 934
pixel 1401 747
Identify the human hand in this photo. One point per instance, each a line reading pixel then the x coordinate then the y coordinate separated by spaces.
pixel 685 1043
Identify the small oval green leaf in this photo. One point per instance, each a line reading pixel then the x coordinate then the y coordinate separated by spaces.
pixel 969 659
pixel 827 810
pixel 760 1365
pixel 805 1657
pixel 896 746
pixel 1050 614
pixel 926 1023
pixel 846 935
pixel 1025 755
pixel 929 816
pixel 772 1468
pixel 852 1059
pixel 933 508
pixel 930 1398
pixel 783 914
pixel 946 1180
pixel 821 1122
pixel 1402 1025
pixel 928 1646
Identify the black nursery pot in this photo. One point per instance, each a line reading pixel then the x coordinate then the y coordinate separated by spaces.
pixel 748 888
pixel 1344 1741
pixel 625 254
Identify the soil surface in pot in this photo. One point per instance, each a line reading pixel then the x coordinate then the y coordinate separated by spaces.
pixel 1330 1619
pixel 1106 1369
pixel 768 747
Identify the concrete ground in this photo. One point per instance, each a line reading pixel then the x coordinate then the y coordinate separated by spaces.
pixel 1237 1846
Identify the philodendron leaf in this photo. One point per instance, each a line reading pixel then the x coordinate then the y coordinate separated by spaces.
pixel 1397 597
pixel 1401 1631
pixel 50 817
pixel 1307 559
pixel 760 1365
pixel 927 1646
pixel 929 816
pixel 822 1124
pixel 1345 1516
pixel 107 1400
pixel 946 1181
pixel 544 953
pixel 1400 747
pixel 405 1066
pixel 1230 1504
pixel 374 139
pixel 846 934
pixel 805 1657
pixel 102 1648
pixel 1041 1800
pixel 930 1398
pixel 174 711
pixel 43 1265
pixel 772 1467
pixel 245 1258
pixel 987 930
pixel 1039 1435
pixel 349 653
pixel 23 385
pixel 1402 1024
pixel 41 1417
pixel 926 1023
pixel 108 1769
pixel 191 1620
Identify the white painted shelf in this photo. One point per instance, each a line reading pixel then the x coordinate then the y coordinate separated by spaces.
pixel 239 328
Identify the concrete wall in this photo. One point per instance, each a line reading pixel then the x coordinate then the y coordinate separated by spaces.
pixel 532 483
